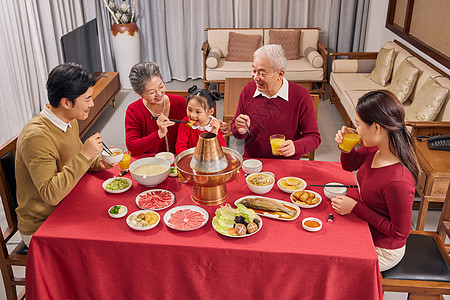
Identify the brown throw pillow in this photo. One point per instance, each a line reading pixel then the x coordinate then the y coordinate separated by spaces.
pixel 289 41
pixel 242 46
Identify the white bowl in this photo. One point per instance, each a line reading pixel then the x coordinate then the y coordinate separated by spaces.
pixel 291 189
pixel 142 228
pixel 107 181
pixel 111 160
pixel 250 166
pixel 316 195
pixel 116 216
pixel 167 156
pixel 331 192
pixel 260 189
pixel 150 180
pixel 311 228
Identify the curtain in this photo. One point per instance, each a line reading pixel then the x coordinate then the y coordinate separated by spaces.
pixel 30 48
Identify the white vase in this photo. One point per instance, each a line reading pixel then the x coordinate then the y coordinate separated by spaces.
pixel 126 47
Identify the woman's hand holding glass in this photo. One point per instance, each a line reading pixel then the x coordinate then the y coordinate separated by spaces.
pixel 163 122
pixel 347 138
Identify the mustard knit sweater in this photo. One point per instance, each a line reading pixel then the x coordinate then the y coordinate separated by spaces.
pixel 48 166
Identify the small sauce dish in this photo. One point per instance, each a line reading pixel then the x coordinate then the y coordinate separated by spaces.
pixel 117 211
pixel 312 224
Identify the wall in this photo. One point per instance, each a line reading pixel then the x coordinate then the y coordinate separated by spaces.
pixel 377 34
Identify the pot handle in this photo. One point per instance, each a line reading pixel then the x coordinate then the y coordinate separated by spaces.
pixel 238 172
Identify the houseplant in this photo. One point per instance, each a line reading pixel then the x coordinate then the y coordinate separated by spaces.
pixel 125 39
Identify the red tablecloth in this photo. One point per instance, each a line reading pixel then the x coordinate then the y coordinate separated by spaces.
pixel 81 253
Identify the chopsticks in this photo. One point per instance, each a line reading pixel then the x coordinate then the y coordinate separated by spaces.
pixel 246 125
pixel 173 120
pixel 107 149
pixel 335 185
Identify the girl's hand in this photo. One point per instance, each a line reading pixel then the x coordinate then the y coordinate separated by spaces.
pixel 215 124
pixel 340 134
pixel 163 122
pixel 342 204
pixel 223 127
pixel 240 123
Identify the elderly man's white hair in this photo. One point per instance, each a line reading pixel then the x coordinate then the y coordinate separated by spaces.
pixel 275 54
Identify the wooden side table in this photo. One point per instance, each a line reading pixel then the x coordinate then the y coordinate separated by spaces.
pixel 434 178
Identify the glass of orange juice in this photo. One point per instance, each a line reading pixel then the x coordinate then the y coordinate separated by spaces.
pixel 124 164
pixel 275 141
pixel 350 139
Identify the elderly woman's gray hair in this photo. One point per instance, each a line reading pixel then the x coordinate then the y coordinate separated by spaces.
pixel 141 73
pixel 275 54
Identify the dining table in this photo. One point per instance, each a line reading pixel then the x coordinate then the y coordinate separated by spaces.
pixel 80 252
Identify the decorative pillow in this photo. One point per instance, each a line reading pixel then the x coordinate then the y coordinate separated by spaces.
pixel 213 58
pixel 289 41
pixel 242 46
pixel 314 57
pixel 403 80
pixel 428 102
pixel 383 66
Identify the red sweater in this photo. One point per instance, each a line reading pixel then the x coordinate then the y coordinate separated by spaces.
pixel 296 119
pixel 142 131
pixel 387 195
pixel 188 137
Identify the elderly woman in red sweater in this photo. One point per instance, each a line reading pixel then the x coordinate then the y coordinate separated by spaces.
pixel 147 125
pixel 272 105
pixel 387 172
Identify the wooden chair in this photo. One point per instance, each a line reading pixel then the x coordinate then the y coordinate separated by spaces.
pixel 424 271
pixel 17 257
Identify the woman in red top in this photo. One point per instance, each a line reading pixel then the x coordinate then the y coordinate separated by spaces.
pixel 387 171
pixel 200 109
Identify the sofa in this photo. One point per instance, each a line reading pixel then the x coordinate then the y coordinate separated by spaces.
pixel 228 53
pixel 422 87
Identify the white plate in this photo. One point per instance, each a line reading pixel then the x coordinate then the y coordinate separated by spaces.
pixel 169 213
pixel 241 236
pixel 308 206
pixel 302 186
pixel 311 228
pixel 151 191
pixel 143 228
pixel 117 215
pixel 271 214
pixel 119 191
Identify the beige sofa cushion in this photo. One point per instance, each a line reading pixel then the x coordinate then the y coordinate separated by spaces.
pixel 353 65
pixel 314 57
pixel 242 46
pixel 428 102
pixel 403 80
pixel 383 66
pixel 308 38
pixel 213 58
pixel 289 41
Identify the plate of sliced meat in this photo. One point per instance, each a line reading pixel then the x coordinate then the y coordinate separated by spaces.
pixel 155 199
pixel 186 217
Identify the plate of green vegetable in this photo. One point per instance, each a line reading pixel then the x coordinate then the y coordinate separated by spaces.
pixel 117 185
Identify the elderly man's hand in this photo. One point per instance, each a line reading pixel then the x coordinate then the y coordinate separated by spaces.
pixel 287 148
pixel 240 123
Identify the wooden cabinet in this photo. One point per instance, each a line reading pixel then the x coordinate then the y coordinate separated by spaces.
pixel 105 91
pixel 434 178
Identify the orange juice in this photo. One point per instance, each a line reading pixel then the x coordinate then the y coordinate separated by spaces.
pixel 349 141
pixel 125 162
pixel 275 141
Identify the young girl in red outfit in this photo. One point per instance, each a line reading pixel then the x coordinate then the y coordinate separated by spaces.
pixel 387 172
pixel 200 109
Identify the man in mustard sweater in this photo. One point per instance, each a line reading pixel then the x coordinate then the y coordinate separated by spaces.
pixel 50 157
